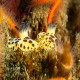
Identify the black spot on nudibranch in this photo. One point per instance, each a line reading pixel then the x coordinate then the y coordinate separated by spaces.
pixel 45 44
pixel 16 44
pixel 25 40
pixel 16 41
pixel 30 41
pixel 31 48
pixel 12 42
pixel 52 36
pixel 51 39
pixel 33 45
pixel 8 42
pixel 27 47
pixel 24 47
pixel 13 48
pixel 46 38
pixel 11 39
pixel 20 45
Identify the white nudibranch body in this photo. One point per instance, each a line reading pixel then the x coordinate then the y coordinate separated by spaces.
pixel 40 36
pixel 47 40
pixel 25 44
pixel 13 43
pixel 28 45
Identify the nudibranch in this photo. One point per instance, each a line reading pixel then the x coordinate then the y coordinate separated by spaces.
pixel 47 40
pixel 25 43
pixel 47 43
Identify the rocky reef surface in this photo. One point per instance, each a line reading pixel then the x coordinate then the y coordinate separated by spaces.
pixel 43 65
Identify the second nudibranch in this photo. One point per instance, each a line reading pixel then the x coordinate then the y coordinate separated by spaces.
pixel 47 40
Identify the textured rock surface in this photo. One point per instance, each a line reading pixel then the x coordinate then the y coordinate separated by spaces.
pixel 3 40
pixel 67 31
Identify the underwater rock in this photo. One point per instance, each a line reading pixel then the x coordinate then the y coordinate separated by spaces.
pixel 77 49
pixel 40 65
pixel 3 36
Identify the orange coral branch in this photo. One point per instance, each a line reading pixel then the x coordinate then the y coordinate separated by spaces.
pixel 12 25
pixel 1 14
pixel 52 11
pixel 57 78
